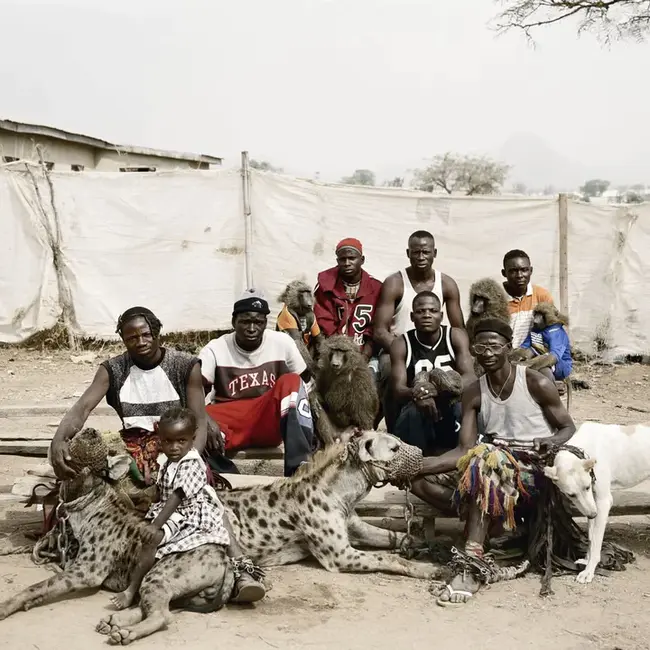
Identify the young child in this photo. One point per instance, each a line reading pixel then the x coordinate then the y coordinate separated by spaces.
pixel 188 512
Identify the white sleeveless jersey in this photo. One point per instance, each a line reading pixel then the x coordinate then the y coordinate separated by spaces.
pixel 402 322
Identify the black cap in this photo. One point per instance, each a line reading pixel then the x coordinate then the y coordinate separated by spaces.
pixel 495 325
pixel 252 303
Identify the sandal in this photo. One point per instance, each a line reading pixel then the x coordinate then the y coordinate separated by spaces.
pixel 453 592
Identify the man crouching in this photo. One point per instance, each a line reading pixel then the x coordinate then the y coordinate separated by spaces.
pixel 516 410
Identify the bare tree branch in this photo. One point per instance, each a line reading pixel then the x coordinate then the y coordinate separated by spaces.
pixel 609 19
pixel 457 173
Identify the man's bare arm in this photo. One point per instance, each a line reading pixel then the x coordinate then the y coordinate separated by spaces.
pixel 451 295
pixel 398 369
pixel 391 293
pixel 464 360
pixel 545 393
pixel 196 404
pixel 74 420
pixel 467 439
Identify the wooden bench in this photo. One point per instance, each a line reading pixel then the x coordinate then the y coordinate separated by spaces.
pixel 37 444
pixel 386 502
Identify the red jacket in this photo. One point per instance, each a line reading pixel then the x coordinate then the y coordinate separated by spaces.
pixel 337 314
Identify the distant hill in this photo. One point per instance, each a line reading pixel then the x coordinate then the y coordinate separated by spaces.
pixel 537 165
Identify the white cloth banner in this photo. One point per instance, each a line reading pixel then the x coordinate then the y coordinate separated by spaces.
pixel 174 242
pixel 297 225
pixel 28 290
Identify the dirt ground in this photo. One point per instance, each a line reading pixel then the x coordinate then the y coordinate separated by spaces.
pixel 310 608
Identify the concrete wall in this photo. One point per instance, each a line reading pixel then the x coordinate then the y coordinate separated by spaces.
pixel 111 161
pixel 65 154
pixel 61 153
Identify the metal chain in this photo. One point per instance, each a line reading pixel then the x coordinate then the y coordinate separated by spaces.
pixel 62 541
pixel 406 547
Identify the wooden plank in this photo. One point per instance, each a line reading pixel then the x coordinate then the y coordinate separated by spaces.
pixel 563 223
pixel 39 447
pixel 249 480
pixel 10 498
pixel 13 436
pixel 25 447
pixel 37 410
pixel 389 501
pixel 259 453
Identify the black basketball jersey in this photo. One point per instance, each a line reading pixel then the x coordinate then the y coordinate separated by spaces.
pixel 421 357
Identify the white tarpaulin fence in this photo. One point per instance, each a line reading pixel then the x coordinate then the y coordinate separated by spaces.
pixel 175 242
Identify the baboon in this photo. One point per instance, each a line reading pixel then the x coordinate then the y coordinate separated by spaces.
pixel 345 395
pixel 487 299
pixel 299 307
pixel 550 349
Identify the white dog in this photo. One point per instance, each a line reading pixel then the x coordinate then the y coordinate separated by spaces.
pixel 619 457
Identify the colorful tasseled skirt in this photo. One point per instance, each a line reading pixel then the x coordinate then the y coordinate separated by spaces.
pixel 493 478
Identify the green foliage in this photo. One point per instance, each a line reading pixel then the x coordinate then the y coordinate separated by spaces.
pixel 594 187
pixel 453 172
pixel 360 177
pixel 265 166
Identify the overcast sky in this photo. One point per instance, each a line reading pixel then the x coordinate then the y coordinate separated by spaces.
pixel 322 85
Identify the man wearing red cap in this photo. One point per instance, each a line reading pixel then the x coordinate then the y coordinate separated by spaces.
pixel 345 297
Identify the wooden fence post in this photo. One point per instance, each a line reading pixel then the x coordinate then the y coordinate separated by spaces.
pixel 563 217
pixel 248 227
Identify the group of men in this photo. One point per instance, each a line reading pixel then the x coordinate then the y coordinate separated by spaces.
pixel 397 326
pixel 251 383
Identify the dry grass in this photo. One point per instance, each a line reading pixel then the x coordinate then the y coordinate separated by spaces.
pixel 56 338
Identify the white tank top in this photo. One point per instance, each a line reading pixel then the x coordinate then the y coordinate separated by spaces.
pixel 402 322
pixel 516 420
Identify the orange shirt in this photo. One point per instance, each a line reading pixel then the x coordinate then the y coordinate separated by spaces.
pixel 286 321
pixel 521 312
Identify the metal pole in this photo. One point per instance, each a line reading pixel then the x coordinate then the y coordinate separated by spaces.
pixel 248 226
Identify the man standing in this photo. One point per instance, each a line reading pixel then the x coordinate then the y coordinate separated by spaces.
pixel 346 296
pixel 393 308
pixel 428 423
pixel 524 296
pixel 258 396
pixel 516 410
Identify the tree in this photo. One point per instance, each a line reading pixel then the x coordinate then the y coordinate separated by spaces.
pixel 594 187
pixel 610 19
pixel 458 173
pixel 360 177
pixel 265 166
pixel 519 188
pixel 398 181
pixel 633 197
